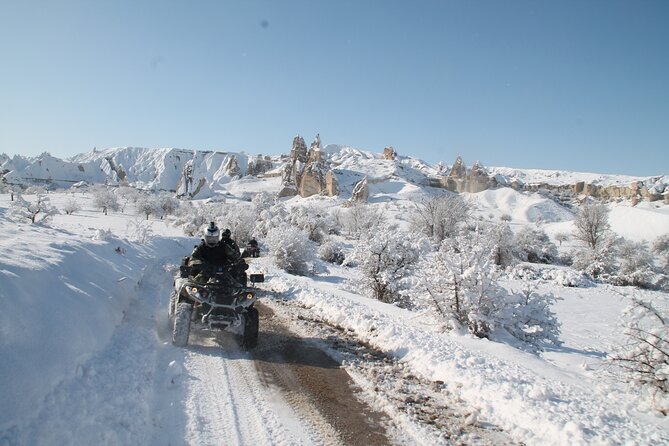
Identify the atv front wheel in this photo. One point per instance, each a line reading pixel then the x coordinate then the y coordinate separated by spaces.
pixel 181 328
pixel 251 325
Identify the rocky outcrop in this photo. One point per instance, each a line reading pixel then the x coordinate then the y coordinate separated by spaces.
pixel 306 173
pixel 311 180
pixel 299 150
pixel 460 180
pixel 459 170
pixel 118 170
pixel 185 184
pixel 389 153
pixel 360 192
pixel 231 167
pixel 331 184
pixel 259 165
pixel 288 186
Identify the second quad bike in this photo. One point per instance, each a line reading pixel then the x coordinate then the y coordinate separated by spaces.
pixel 213 300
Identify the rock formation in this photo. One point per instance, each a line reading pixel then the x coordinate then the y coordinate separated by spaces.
pixel 459 170
pixel 389 153
pixel 306 173
pixel 185 184
pixel 477 179
pixel 231 167
pixel 360 191
pixel 332 185
pixel 259 165
pixel 311 180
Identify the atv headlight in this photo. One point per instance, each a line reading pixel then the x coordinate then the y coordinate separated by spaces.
pixel 196 293
pixel 249 296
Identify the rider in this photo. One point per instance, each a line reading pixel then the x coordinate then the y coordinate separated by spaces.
pixel 215 252
pixel 232 248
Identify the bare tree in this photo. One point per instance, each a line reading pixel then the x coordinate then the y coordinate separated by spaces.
pixel 644 357
pixel 71 206
pixel 561 237
pixel 361 218
pixel 39 210
pixel 592 224
pixel 167 203
pixel 439 217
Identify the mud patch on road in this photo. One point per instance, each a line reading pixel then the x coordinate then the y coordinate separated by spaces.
pixel 315 385
pixel 416 406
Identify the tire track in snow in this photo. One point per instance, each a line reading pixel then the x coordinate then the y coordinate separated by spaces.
pixel 228 404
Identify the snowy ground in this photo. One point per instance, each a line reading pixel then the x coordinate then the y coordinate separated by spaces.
pixel 86 358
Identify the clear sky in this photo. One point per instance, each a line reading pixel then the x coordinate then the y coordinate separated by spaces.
pixel 578 85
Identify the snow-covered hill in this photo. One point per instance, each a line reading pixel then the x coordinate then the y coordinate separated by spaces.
pixel 163 169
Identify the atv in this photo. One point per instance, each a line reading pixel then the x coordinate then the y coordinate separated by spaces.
pixel 213 299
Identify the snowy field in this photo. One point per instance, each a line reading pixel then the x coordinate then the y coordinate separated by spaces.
pixel 86 356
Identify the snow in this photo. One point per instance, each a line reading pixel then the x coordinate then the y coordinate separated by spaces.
pixel 86 356
pixel 531 398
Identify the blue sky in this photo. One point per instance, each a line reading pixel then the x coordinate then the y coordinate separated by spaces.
pixel 578 85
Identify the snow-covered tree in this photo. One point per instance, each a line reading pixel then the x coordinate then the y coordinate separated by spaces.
pixel 193 217
pixel 440 217
pixel 644 357
pixel 263 201
pixel 386 259
pixel 71 206
pixel 290 248
pixel 105 199
pixel 596 262
pixel 463 283
pixel 661 248
pixel 361 219
pixel 635 264
pixel 147 205
pixel 39 210
pixel 126 195
pixel 167 203
pixel 332 251
pixel 529 318
pixel 140 230
pixel 500 240
pixel 533 245
pixel 310 220
pixel 269 218
pixel 592 224
pixel 561 237
pixel 241 220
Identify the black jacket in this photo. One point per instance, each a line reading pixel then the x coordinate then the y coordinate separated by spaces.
pixel 218 255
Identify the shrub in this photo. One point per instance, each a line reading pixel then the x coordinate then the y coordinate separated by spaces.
pixel 291 249
pixel 332 252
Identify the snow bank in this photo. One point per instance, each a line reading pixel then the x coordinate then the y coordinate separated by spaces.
pixel 530 399
pixel 62 297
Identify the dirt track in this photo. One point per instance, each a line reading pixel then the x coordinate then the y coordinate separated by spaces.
pixel 315 386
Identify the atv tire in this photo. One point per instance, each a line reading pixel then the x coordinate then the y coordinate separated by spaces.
pixel 181 328
pixel 171 308
pixel 251 325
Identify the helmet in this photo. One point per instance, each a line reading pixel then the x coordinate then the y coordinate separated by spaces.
pixel 226 233
pixel 211 234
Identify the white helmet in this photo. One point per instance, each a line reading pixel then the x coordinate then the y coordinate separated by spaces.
pixel 211 235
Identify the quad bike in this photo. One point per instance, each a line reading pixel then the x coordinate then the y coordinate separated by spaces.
pixel 213 299
pixel 251 250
